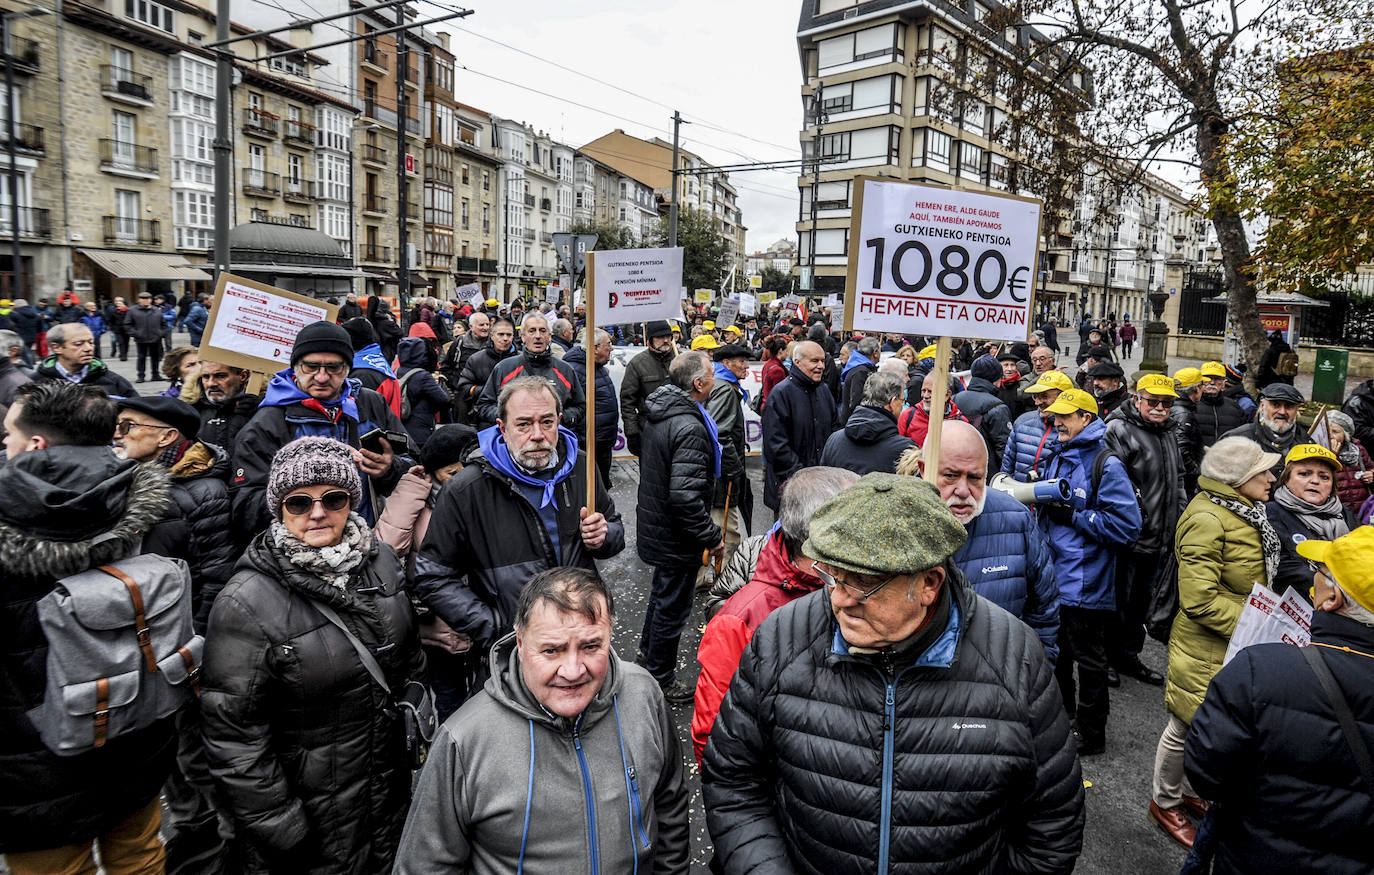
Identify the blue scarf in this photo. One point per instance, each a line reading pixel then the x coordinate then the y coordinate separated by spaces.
pixel 715 434
pixel 497 453
pixel 724 373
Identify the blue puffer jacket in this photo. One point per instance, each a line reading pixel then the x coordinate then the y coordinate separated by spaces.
pixel 1085 552
pixel 1032 444
pixel 1007 562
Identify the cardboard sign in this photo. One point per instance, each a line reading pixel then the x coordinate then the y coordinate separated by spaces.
pixel 471 293
pixel 729 312
pixel 253 325
pixel 634 285
pixel 703 296
pixel 755 282
pixel 748 305
pixel 552 293
pixel 941 262
pixel 767 297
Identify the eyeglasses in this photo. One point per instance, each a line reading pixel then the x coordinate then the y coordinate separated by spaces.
pixel 859 593
pixel 309 369
pixel 548 423
pixel 335 500
pixel 1156 402
pixel 124 426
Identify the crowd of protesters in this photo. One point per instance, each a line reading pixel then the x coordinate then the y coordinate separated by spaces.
pixel 901 674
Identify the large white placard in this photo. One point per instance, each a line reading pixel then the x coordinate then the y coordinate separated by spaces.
pixel 748 305
pixel 253 325
pixel 635 285
pixel 471 293
pixel 936 261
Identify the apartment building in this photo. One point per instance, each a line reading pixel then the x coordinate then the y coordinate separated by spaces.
pixel 699 186
pixel 477 188
pixel 782 255
pixel 900 89
pixel 538 200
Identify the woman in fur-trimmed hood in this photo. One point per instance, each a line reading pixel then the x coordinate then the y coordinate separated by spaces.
pixel 68 509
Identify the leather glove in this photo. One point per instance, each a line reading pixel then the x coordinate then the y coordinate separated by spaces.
pixel 1060 513
pixel 632 440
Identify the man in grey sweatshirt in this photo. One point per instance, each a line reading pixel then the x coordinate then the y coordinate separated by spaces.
pixel 568 760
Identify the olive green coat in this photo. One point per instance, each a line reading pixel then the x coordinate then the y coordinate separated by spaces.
pixel 1219 560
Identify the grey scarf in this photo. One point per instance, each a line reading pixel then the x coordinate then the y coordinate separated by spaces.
pixel 1269 539
pixel 1326 519
pixel 334 564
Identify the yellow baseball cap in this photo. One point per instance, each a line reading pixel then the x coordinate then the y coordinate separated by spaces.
pixel 705 341
pixel 709 324
pixel 6 302
pixel 1051 380
pixel 1214 369
pixel 492 302
pixel 675 328
pixel 1071 400
pixel 927 353
pixel 734 328
pixel 1187 378
pixel 1306 452
pixel 1156 384
pixel 1351 561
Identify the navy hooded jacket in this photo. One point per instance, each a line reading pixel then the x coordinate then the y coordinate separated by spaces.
pixel 427 397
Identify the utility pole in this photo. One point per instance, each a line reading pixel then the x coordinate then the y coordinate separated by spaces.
pixel 402 202
pixel 223 144
pixel 672 203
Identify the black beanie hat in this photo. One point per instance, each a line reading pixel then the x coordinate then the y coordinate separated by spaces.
pixel 322 337
pixel 446 445
pixel 360 332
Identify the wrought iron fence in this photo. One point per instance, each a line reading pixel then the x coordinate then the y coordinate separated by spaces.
pixel 1194 315
pixel 1348 322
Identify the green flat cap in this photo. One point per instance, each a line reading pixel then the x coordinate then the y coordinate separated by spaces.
pixel 884 524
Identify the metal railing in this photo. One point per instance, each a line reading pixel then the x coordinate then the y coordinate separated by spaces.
pixel 374 253
pixel 257 121
pixel 374 203
pixel 127 83
pixel 369 152
pixel 124 229
pixel 33 222
pixel 299 130
pixel 28 137
pixel 120 155
pixel 374 56
pixel 257 181
pixel 299 189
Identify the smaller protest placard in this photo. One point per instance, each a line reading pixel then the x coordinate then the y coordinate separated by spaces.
pixel 729 312
pixel 1268 619
pixel 703 296
pixel 471 293
pixel 767 297
pixel 253 325
pixel 748 305
pixel 635 285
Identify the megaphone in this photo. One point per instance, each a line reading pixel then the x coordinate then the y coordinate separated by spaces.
pixel 1031 493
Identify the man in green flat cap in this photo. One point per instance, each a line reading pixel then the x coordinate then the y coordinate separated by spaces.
pixel 894 717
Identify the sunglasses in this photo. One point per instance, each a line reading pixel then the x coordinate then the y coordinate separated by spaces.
pixel 1158 402
pixel 124 426
pixel 333 501
pixel 860 594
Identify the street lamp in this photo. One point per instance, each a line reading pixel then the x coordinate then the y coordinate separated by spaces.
pixel 17 279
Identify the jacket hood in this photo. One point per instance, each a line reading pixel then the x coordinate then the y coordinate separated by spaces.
pixel 507 687
pixel 421 329
pixel 201 460
pixel 411 351
pixel 371 357
pixel 856 360
pixel 776 568
pixel 283 392
pixel 72 508
pixel 980 384
pixel 577 355
pixel 668 401
pixel 869 425
pixel 48 368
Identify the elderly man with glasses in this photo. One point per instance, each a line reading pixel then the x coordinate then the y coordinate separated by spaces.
pixel 314 397
pixel 892 700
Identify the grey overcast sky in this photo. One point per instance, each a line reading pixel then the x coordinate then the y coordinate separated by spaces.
pixel 730 67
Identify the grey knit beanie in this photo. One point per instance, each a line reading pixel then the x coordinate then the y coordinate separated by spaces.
pixel 1343 422
pixel 1234 460
pixel 312 461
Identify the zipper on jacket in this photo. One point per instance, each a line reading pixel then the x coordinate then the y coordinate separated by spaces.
pixel 590 799
pixel 889 730
pixel 635 807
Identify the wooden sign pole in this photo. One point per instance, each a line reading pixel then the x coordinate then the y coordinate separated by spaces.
pixel 930 452
pixel 589 341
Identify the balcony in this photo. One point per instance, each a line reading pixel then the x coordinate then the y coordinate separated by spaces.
pixel 374 58
pixel 413 126
pixel 260 123
pixel 545 204
pixel 370 154
pixel 24 54
pixel 486 265
pixel 529 234
pixel 370 108
pixel 128 159
pixel 412 210
pixel 374 203
pixel 301 191
pixel 545 237
pixel 129 231
pixel 465 264
pixel 412 76
pixel 260 183
pixel 529 200
pixel 123 85
pixel 33 222
pixel 29 138
pixel 299 132
pixel 371 252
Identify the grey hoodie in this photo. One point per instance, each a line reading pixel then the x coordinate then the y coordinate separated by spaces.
pixel 506 782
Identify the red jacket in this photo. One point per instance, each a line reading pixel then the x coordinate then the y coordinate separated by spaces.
pixel 773 373
pixel 1350 489
pixel 915 422
pixel 776 581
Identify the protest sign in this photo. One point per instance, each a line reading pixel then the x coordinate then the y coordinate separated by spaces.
pixel 253 325
pixel 703 296
pixel 1268 619
pixel 634 285
pixel 755 282
pixel 729 312
pixel 552 293
pixel 941 262
pixel 767 297
pixel 748 305
pixel 471 293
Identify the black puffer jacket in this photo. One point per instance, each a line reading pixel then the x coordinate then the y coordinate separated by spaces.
pixel 1360 408
pixel 797 421
pixel 97 374
pixel 56 502
pixel 144 324
pixel 309 759
pixel 221 423
pixel 643 375
pixel 200 488
pixel 473 380
pixel 1155 465
pixel 979 402
pixel 1272 443
pixel 1292 529
pixel 485 541
pixel 676 481
pixel 1266 747
pixel 982 777
pixel 1215 417
pixel 427 398
pixel 869 441
pixel 1184 415
pixel 607 405
pixel 559 374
